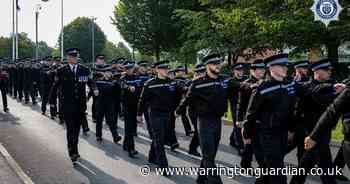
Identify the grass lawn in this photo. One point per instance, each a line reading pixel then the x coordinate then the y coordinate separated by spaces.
pixel 337 133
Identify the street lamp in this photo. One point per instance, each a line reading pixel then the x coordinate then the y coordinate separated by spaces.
pixel 37 11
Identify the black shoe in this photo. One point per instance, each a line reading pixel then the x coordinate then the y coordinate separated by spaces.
pixel 232 144
pixel 34 103
pixel 133 153
pixel 43 113
pixel 117 139
pixel 61 122
pixel 189 133
pixel 125 147
pixel 75 158
pixel 6 109
pixel 86 133
pixel 195 153
pixel 341 178
pixel 174 146
pixel 99 139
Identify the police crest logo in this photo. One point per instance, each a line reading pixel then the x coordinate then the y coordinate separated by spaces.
pixel 326 10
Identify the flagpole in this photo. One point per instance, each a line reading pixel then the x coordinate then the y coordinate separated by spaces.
pixel 13 30
pixel 16 29
pixel 62 44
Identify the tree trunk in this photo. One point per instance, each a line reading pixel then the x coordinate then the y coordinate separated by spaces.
pixel 332 49
pixel 157 52
pixel 229 60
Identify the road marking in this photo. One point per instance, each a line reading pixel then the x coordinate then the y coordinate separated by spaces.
pixel 14 166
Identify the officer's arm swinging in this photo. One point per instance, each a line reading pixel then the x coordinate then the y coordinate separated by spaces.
pixel 255 103
pixel 330 117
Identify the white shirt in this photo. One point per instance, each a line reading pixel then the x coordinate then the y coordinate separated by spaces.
pixel 73 68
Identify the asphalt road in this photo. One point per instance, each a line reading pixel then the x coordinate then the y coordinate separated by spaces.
pixel 38 144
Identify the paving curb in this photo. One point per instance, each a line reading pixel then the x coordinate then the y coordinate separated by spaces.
pixel 14 166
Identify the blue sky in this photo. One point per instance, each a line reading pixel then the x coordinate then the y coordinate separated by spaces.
pixel 50 17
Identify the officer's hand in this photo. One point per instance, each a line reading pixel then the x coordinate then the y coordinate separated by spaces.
pixel 177 114
pixel 96 92
pixel 239 124
pixel 139 119
pixel 247 141
pixel 339 87
pixel 132 89
pixel 290 136
pixel 309 143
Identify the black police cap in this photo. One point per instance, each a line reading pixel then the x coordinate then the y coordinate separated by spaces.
pixel 258 63
pixel 74 52
pixel 301 64
pixel 238 66
pixel 321 64
pixel 199 68
pixel 212 59
pixel 162 64
pixel 279 59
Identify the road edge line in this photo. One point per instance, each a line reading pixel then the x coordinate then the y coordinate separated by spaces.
pixel 14 166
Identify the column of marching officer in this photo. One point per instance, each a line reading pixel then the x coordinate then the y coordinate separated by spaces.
pixel 272 111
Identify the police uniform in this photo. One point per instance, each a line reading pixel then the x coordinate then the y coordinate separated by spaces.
pixel 144 77
pixel 183 82
pixel 46 85
pixel 300 134
pixel 193 115
pixel 329 119
pixel 235 137
pixel 244 95
pixel 3 86
pixel 160 96
pixel 108 91
pixel 131 91
pixel 317 96
pixel 72 80
pixel 268 120
pixel 209 98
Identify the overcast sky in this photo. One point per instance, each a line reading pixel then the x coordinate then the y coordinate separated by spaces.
pixel 50 17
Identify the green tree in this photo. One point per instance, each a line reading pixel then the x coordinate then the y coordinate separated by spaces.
pixel 112 51
pixel 79 34
pixel 44 50
pixel 150 26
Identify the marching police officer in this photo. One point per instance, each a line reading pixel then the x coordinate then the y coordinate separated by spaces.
pixel 301 77
pixel 268 118
pixel 318 94
pixel 182 81
pixel 329 119
pixel 3 86
pixel 72 79
pixel 238 76
pixel 208 95
pixel 105 108
pixel 199 72
pixel 257 73
pixel 131 91
pixel 159 95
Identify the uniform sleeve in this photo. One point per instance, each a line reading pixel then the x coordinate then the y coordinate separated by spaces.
pixel 186 101
pixel 331 116
pixel 255 103
pixel 92 84
pixel 143 100
pixel 56 83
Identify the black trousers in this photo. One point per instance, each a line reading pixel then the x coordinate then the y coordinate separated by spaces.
pixel 147 120
pixel 130 126
pixel 346 150
pixel 29 92
pixel 73 122
pixel 270 148
pixel 209 138
pixel 4 97
pixel 186 123
pixel 339 160
pixel 170 137
pixel 236 135
pixel 320 155
pixel 298 142
pixel 106 111
pixel 194 144
pixel 159 124
pixel 45 98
